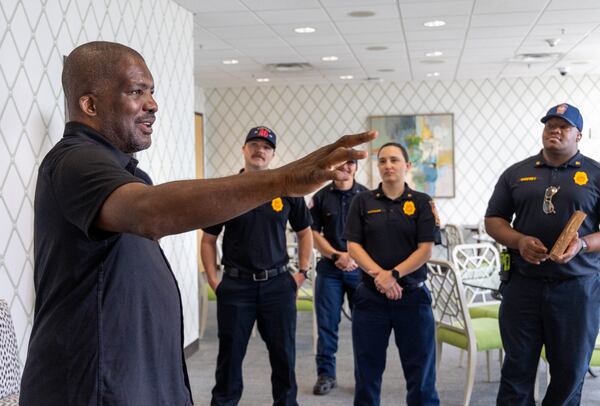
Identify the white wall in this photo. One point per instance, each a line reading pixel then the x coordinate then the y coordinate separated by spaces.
pixel 496 123
pixel 34 36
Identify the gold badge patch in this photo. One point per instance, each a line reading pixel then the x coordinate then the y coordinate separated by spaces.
pixel 435 213
pixel 580 178
pixel 277 204
pixel 409 208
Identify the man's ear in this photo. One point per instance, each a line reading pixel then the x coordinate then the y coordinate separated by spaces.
pixel 87 104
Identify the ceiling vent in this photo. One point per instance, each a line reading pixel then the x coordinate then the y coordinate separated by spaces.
pixel 291 67
pixel 542 57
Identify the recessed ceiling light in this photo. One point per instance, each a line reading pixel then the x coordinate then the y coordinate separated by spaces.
pixel 433 74
pixel 329 58
pixel 434 53
pixel 434 23
pixel 262 80
pixel 385 70
pixel 231 62
pixel 361 14
pixel 376 48
pixel 305 30
pixel 346 77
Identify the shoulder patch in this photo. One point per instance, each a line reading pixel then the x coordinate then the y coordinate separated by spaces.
pixel 435 213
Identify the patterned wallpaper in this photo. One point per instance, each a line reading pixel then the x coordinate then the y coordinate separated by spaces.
pixel 496 123
pixel 34 36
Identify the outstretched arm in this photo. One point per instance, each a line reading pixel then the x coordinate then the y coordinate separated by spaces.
pixel 176 207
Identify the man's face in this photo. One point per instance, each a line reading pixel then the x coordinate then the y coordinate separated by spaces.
pixel 258 154
pixel 560 136
pixel 126 107
pixel 392 165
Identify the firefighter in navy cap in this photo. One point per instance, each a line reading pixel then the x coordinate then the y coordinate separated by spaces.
pixel 390 232
pixel 549 301
pixel 256 284
pixel 337 273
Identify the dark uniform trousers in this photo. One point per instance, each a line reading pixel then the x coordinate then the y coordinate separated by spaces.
pixel 331 285
pixel 411 318
pixel 565 315
pixel 272 304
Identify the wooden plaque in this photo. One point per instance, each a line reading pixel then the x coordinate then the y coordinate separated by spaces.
pixel 568 233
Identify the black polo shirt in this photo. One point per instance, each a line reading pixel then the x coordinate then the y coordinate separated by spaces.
pixel 108 327
pixel 329 210
pixel 390 230
pixel 520 192
pixel 256 240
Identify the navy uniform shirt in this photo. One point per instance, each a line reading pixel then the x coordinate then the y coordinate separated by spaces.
pixel 390 230
pixel 108 327
pixel 329 210
pixel 520 191
pixel 256 240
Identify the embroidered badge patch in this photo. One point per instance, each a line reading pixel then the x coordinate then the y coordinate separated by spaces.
pixel 435 213
pixel 580 178
pixel 409 208
pixel 277 204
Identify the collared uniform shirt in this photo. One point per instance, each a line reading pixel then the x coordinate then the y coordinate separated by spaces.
pixel 108 326
pixel 520 192
pixel 329 210
pixel 390 230
pixel 256 240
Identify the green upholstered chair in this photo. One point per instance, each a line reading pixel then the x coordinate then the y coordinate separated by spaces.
pixel 454 325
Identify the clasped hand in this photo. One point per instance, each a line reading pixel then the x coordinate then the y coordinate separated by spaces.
pixel 388 285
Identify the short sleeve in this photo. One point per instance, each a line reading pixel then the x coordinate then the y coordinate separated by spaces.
pixel 82 179
pixel 214 230
pixel 426 220
pixel 299 217
pixel 501 203
pixel 353 230
pixel 316 212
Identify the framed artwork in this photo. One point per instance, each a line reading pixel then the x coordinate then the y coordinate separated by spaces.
pixel 429 140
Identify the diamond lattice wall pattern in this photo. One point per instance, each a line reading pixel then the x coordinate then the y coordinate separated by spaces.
pixel 496 123
pixel 34 37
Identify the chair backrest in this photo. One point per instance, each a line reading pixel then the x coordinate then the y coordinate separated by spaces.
pixel 9 358
pixel 449 304
pixel 476 261
pixel 454 237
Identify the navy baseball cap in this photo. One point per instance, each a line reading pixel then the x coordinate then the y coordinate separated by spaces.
pixel 262 133
pixel 567 112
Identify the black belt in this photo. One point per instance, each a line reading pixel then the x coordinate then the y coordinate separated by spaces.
pixel 259 276
pixel 412 286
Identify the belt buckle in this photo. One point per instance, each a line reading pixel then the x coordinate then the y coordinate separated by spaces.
pixel 262 279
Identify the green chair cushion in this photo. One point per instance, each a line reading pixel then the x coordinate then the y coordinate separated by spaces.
pixel 487 335
pixel 489 310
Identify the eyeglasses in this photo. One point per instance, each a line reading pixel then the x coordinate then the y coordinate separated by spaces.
pixel 548 206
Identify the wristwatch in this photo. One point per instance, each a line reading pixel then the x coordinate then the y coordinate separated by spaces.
pixel 396 274
pixel 335 256
pixel 584 246
pixel 304 272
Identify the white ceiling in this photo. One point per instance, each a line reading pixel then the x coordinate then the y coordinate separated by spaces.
pixel 478 41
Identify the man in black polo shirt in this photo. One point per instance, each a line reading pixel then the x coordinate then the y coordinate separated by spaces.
pixel 108 324
pixel 256 285
pixel 337 273
pixel 548 301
